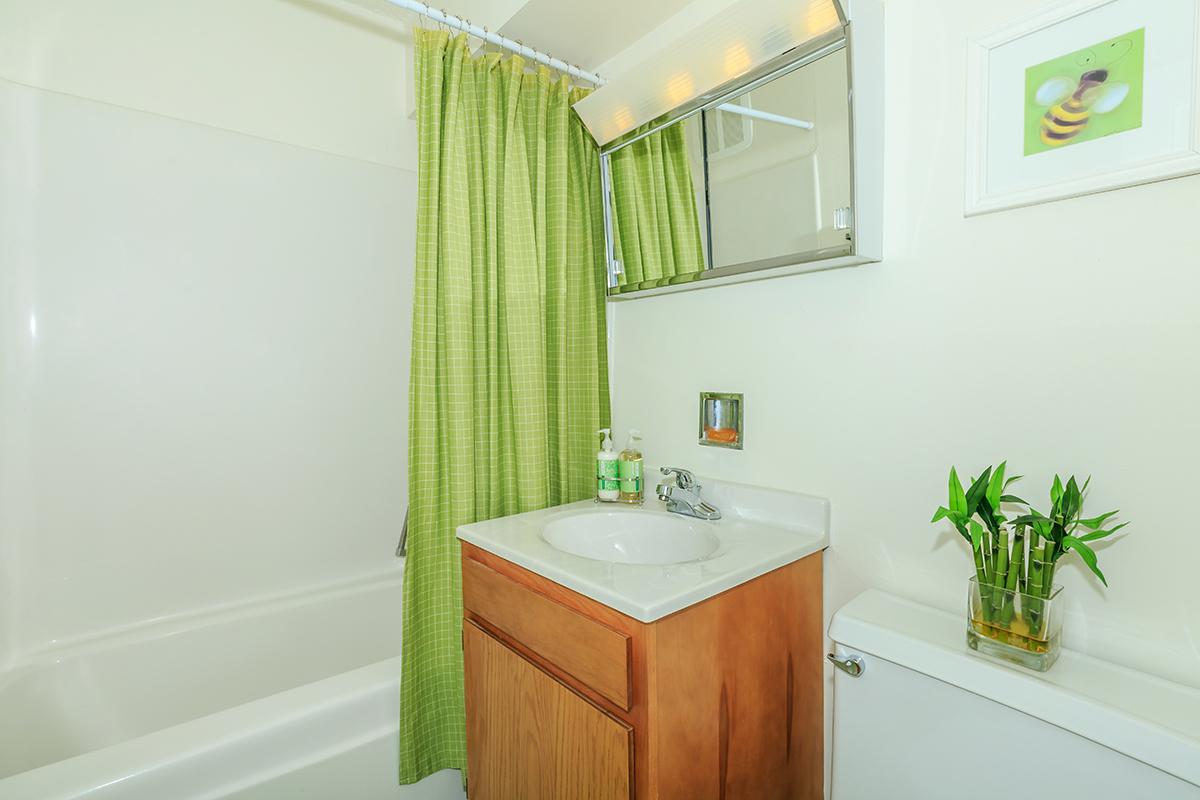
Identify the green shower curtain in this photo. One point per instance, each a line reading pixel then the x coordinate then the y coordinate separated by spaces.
pixel 656 223
pixel 509 368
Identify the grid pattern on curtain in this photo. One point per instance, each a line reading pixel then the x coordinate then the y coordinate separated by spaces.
pixel 509 366
pixel 656 222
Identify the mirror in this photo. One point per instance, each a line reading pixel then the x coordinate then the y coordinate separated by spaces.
pixel 758 177
pixel 657 218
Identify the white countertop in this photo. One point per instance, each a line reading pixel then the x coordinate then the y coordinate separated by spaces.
pixel 760 530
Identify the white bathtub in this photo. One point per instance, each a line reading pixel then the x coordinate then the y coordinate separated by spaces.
pixel 293 697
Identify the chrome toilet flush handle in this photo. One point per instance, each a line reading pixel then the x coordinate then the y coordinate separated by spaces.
pixel 853 665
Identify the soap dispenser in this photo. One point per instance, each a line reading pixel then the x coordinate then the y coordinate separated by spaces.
pixel 608 487
pixel 629 470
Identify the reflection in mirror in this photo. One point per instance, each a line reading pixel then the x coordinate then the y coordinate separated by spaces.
pixel 657 207
pixel 775 181
pixel 759 177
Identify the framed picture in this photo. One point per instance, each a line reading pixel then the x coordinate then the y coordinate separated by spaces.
pixel 1089 96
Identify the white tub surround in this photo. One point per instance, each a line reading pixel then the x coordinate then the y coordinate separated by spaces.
pixel 239 702
pixel 1147 718
pixel 187 322
pixel 760 530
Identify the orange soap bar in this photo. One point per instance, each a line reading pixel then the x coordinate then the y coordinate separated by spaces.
pixel 726 435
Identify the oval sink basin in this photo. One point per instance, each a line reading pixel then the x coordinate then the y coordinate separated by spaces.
pixel 624 537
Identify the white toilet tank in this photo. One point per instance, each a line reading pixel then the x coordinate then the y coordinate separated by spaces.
pixel 929 719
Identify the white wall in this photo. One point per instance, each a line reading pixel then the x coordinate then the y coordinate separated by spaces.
pixel 322 74
pixel 1060 337
pixel 206 242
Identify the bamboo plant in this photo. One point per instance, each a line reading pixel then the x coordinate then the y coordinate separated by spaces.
pixel 1018 557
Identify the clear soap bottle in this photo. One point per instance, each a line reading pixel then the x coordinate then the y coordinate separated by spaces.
pixel 629 470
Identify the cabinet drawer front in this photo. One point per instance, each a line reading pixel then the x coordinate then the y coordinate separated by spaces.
pixel 596 655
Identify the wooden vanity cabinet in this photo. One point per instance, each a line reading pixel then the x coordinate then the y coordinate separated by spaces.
pixel 567 698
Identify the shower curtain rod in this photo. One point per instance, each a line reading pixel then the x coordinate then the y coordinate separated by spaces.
pixel 466 26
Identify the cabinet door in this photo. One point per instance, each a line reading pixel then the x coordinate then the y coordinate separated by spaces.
pixel 529 737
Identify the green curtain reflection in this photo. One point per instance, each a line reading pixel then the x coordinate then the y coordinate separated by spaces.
pixel 656 224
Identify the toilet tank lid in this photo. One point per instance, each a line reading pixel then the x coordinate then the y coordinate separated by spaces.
pixel 1146 717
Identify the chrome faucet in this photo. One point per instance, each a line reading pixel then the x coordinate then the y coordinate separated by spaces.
pixel 683 496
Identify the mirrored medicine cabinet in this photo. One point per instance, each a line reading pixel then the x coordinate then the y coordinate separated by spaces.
pixel 754 179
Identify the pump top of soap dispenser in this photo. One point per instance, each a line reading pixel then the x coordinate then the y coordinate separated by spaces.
pixel 607 445
pixel 631 446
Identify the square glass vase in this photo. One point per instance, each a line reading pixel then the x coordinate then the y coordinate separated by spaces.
pixel 1013 626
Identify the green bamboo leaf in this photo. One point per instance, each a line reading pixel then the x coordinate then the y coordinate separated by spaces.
pixel 959 520
pixel 995 486
pixel 1038 522
pixel 1033 519
pixel 1072 502
pixel 978 491
pixel 990 518
pixel 1012 498
pixel 1100 534
pixel 958 499
pixel 1086 553
pixel 1096 522
pixel 1056 491
pixel 976 535
pixel 1011 481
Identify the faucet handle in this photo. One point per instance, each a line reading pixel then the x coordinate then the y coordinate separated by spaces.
pixel 683 478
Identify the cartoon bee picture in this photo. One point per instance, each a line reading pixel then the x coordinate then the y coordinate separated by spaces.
pixel 1071 101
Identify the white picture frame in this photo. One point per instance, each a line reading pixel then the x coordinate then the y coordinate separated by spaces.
pixel 998 173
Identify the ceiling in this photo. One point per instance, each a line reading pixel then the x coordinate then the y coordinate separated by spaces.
pixel 586 33
pixel 492 13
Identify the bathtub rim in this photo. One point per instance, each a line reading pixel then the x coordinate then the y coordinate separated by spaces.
pixel 198 619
